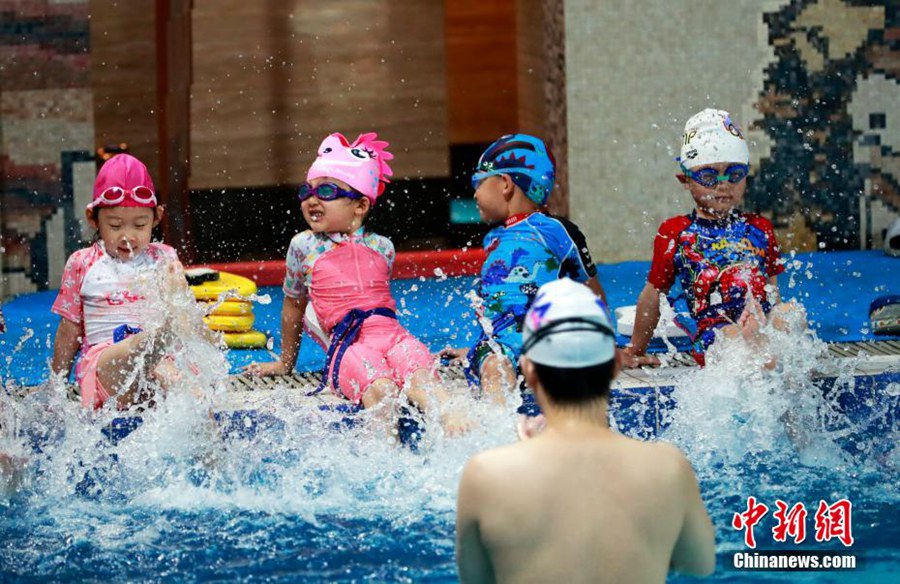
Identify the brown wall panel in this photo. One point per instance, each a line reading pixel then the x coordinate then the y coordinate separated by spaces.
pixel 541 75
pixel 531 69
pixel 271 79
pixel 481 69
pixel 173 53
pixel 123 76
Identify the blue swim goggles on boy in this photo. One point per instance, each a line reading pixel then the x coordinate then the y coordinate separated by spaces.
pixel 710 177
pixel 326 192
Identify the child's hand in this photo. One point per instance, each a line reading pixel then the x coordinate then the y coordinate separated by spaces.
pixel 529 427
pixel 267 369
pixel 453 355
pixel 173 284
pixel 631 359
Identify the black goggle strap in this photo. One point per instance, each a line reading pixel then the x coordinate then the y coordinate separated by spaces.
pixel 582 325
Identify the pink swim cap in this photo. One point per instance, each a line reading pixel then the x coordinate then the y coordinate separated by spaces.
pixel 123 181
pixel 362 164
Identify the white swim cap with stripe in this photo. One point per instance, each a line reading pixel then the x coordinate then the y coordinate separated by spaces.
pixel 567 326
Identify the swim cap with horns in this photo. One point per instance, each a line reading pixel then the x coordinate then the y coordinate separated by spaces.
pixel 361 164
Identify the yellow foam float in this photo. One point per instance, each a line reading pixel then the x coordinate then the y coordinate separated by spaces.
pixel 229 324
pixel 211 290
pixel 247 340
pixel 233 317
pixel 229 308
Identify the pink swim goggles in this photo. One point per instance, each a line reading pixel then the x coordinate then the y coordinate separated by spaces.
pixel 140 196
pixel 123 181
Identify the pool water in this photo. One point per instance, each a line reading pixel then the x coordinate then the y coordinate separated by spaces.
pixel 314 499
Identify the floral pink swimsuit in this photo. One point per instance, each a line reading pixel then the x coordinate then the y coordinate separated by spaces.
pixel 345 273
pixel 101 293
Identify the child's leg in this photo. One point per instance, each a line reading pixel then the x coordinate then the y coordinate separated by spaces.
pixel 498 378
pixel 789 317
pixel 413 366
pixel 749 326
pixel 752 318
pixel 424 391
pixel 363 366
pixel 494 360
pixel 123 367
pixel 377 397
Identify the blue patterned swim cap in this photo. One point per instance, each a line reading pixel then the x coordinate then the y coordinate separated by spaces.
pixel 527 161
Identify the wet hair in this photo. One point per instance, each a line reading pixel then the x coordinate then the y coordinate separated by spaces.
pixel 576 385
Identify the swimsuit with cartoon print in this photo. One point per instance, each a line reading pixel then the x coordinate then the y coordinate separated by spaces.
pixel 525 253
pixel 710 266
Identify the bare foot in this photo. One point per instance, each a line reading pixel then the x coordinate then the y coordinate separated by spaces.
pixel 456 422
pixel 751 319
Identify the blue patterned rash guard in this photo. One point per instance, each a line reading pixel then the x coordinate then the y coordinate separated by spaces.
pixel 522 255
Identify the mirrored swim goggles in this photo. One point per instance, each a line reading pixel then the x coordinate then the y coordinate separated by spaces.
pixel 326 192
pixel 710 177
pixel 113 196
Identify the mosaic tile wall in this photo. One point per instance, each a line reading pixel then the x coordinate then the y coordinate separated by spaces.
pixel 815 83
pixel 829 108
pixel 46 125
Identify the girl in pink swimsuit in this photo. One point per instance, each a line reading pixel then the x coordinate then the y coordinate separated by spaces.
pixel 105 298
pixel 345 272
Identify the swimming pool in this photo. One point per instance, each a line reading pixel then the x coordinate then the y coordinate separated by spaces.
pixel 313 499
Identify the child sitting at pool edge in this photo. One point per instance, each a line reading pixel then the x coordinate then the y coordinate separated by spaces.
pixel 717 264
pixel 512 183
pixel 112 293
pixel 345 272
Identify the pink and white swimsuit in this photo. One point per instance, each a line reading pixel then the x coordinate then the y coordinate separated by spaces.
pixel 340 273
pixel 101 293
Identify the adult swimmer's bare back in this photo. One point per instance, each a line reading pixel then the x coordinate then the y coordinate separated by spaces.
pixel 578 502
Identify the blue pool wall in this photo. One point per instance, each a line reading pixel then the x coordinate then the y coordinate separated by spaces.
pixel 835 287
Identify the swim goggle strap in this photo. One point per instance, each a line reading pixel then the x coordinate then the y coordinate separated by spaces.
pixel 710 177
pixel 326 192
pixel 141 196
pixel 572 325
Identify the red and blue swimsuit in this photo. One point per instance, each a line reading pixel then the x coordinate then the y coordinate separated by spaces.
pixel 708 267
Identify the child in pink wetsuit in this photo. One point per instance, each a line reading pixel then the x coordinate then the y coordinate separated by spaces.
pixel 105 299
pixel 345 272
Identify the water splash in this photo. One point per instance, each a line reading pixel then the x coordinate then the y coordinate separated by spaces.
pixel 786 432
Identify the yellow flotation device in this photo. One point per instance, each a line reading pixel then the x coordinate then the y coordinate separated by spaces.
pixel 211 289
pixel 233 317
pixel 229 324
pixel 248 340
pixel 235 308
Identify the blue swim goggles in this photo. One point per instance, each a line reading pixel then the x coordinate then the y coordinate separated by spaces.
pixel 326 192
pixel 710 177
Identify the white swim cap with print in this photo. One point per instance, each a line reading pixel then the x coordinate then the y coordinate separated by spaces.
pixel 568 326
pixel 710 137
